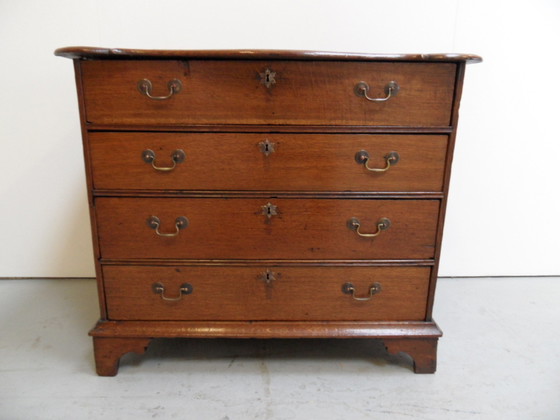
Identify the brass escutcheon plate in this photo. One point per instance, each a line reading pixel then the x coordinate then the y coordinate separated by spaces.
pixel 268 78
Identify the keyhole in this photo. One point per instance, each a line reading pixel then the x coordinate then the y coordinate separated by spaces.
pixel 268 78
pixel 267 147
pixel 269 210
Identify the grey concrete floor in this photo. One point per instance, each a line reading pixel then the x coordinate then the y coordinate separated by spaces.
pixel 499 359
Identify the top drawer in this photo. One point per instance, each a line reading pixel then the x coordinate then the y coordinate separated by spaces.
pixel 267 92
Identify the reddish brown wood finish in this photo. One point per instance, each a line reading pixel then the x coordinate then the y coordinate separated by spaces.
pixel 89 181
pixel 244 293
pixel 124 53
pixel 304 93
pixel 270 263
pixel 267 329
pixel 109 350
pixel 226 161
pixel 422 350
pixel 455 120
pixel 261 128
pixel 318 123
pixel 113 339
pixel 263 194
pixel 236 228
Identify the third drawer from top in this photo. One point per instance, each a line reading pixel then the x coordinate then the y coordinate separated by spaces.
pixel 266 228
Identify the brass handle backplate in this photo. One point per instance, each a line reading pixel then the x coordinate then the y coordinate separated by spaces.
pixel 391 89
pixel 391 159
pixel 149 156
pixel 382 224
pixel 159 288
pixel 145 88
pixel 349 289
pixel 181 222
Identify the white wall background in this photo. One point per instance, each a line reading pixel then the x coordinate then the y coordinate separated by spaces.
pixel 504 207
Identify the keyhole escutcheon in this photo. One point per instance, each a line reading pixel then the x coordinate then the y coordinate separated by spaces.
pixel 269 276
pixel 268 78
pixel 269 210
pixel 267 147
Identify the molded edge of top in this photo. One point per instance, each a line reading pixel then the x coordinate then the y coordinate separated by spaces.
pixel 123 54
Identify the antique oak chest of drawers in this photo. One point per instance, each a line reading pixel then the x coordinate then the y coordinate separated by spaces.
pixel 266 194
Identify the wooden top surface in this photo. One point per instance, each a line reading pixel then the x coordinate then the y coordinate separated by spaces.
pixel 123 54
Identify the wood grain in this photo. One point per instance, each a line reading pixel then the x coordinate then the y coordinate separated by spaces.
pixel 241 293
pixel 236 228
pixel 267 329
pixel 422 350
pixel 317 123
pixel 447 178
pixel 109 350
pixel 300 162
pixel 263 128
pixel 267 193
pixel 305 93
pixel 128 53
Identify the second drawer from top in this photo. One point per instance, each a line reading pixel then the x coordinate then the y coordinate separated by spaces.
pixel 268 161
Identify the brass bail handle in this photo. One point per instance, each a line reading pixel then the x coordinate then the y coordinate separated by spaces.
pixel 382 224
pixel 349 289
pixel 145 87
pixel 149 156
pixel 181 222
pixel 159 288
pixel 391 89
pixel 391 159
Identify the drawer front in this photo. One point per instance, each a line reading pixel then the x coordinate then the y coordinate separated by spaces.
pixel 303 92
pixel 266 293
pixel 268 228
pixel 260 162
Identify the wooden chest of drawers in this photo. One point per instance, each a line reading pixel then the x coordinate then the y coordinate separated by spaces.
pixel 266 194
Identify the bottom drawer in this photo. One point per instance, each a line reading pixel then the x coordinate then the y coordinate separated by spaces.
pixel 287 293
